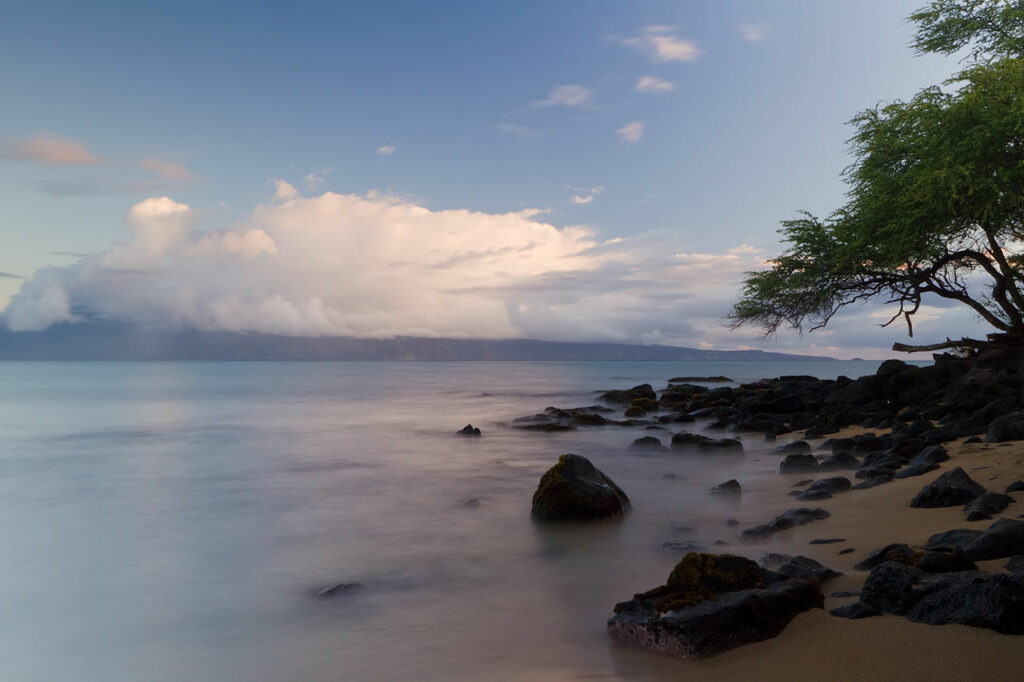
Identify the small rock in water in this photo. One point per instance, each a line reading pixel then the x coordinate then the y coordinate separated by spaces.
pixel 468 430
pixel 669 477
pixel 730 487
pixel 648 444
pixel 848 550
pixel 575 490
pixel 471 503
pixel 826 541
pixel 337 590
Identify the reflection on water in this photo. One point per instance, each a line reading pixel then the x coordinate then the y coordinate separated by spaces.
pixel 168 521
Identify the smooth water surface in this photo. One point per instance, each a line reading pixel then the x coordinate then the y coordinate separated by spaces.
pixel 173 521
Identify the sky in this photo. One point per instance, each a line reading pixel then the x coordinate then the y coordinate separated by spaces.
pixel 599 171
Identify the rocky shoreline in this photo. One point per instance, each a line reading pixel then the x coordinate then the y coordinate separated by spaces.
pixel 887 430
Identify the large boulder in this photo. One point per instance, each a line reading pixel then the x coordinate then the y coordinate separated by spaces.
pixel 575 490
pixel 710 604
pixel 951 489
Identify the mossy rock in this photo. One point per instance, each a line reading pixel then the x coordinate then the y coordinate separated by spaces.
pixel 700 576
pixel 645 404
pixel 634 411
pixel 575 490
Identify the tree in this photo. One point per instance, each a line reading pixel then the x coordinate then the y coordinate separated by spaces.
pixel 936 199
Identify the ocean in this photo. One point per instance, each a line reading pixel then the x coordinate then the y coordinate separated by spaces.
pixel 175 520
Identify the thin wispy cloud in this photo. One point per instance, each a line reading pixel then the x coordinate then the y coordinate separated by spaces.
pixel 9 275
pixel 662 45
pixel 653 84
pixel 631 132
pixel 756 32
pixel 386 150
pixel 585 195
pixel 172 172
pixel 316 178
pixel 49 150
pixel 566 96
pixel 517 130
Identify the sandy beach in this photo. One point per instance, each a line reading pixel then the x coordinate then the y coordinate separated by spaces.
pixel 817 645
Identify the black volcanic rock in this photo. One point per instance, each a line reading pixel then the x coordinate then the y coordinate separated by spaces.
pixel 951 489
pixel 575 490
pixel 986 506
pixel 468 430
pixel 710 604
pixel 627 396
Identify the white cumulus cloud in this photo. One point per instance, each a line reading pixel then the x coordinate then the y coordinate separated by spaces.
pixel 662 45
pixel 653 84
pixel 631 132
pixel 386 150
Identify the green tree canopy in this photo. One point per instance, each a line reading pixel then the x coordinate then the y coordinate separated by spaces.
pixel 936 199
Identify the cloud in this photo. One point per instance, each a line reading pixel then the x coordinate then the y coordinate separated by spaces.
pixel 172 172
pixel 386 150
pixel 661 45
pixel 8 275
pixel 631 132
pixel 755 33
pixel 316 178
pixel 566 96
pixel 50 151
pixel 517 130
pixel 380 266
pixel 652 84
pixel 284 190
pixel 585 195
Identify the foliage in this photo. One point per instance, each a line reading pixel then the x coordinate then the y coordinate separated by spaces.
pixel 936 199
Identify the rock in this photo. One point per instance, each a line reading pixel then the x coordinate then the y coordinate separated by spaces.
pixel 684 439
pixel 339 590
pixel 844 594
pixel 574 489
pixel 804 568
pixel 710 604
pixel 794 464
pixel 811 495
pixel 848 550
pixel 669 477
pixel 890 587
pixel 1016 565
pixel 943 561
pixel 648 444
pixel 835 484
pixel 916 470
pixel 730 487
pixel 839 460
pixel 468 430
pixel 1008 427
pixel 951 489
pixel 855 610
pixel 471 503
pixel 705 380
pixel 796 447
pixel 826 541
pixel 985 600
pixel 543 422
pixel 1015 487
pixel 986 506
pixel 788 519
pixel 1004 538
pixel 895 552
pixel 628 395
pixel 933 454
pixel 953 539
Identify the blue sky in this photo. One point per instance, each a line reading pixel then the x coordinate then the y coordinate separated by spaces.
pixel 659 127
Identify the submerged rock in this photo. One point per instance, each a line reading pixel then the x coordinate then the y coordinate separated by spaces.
pixel 647 444
pixel 797 464
pixel 339 590
pixel 468 430
pixel 627 396
pixel 788 519
pixel 710 604
pixel 730 487
pixel 575 490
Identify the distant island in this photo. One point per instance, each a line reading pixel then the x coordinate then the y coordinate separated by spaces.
pixel 114 341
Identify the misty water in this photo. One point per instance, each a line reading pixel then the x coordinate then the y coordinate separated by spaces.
pixel 173 521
